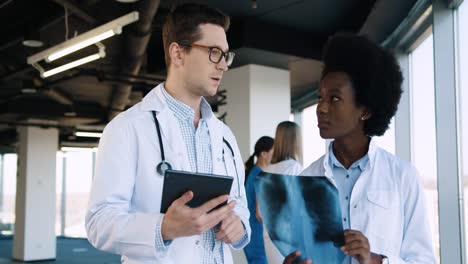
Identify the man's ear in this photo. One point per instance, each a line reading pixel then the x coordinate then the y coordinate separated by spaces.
pixel 176 53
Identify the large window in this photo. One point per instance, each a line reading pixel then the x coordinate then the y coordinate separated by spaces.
pixel 74 177
pixel 312 144
pixel 423 128
pixel 463 97
pixel 73 183
pixel 387 140
pixel 8 193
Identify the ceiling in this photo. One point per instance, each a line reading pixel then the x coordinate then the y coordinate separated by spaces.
pixel 287 34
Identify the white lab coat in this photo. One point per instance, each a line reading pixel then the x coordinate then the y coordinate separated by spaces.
pixel 126 193
pixel 388 206
pixel 288 167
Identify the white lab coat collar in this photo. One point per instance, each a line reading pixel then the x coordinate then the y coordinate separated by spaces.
pixel 155 101
pixel 371 154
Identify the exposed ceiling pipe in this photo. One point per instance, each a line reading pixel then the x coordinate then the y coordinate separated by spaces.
pixel 58 96
pixel 73 7
pixel 137 38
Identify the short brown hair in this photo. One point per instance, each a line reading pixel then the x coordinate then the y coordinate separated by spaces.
pixel 288 142
pixel 182 25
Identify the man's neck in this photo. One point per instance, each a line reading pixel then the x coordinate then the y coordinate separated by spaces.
pixel 179 91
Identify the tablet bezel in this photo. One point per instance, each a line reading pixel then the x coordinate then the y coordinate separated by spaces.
pixel 204 186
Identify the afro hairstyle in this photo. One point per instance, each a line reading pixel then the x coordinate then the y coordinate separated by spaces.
pixel 375 76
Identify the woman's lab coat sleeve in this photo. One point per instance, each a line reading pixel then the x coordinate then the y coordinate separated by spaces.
pixel 110 223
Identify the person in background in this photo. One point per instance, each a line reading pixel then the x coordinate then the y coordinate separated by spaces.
pixel 382 200
pixel 287 150
pixel 255 250
pixel 287 158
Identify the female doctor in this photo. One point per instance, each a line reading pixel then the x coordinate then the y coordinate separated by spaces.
pixel 173 127
pixel 382 200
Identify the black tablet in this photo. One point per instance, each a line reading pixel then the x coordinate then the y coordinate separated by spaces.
pixel 204 187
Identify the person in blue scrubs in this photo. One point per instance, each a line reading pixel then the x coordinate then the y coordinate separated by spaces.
pixel 255 250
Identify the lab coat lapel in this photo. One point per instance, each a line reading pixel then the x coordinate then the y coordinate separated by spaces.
pixel 327 168
pixel 216 137
pixel 174 144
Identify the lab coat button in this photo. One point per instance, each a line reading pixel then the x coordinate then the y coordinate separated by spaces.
pixel 355 206
pixel 197 242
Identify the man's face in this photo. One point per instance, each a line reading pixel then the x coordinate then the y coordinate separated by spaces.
pixel 203 77
pixel 337 113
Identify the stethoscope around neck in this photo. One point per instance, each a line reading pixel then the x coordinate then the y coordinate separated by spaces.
pixel 163 166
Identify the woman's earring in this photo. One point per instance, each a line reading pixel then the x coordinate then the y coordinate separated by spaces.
pixel 363 118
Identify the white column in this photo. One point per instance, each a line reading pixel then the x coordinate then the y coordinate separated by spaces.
pixel 63 201
pixel 258 98
pixel 298 119
pixel 450 184
pixel 34 237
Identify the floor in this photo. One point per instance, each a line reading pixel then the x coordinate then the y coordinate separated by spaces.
pixel 69 251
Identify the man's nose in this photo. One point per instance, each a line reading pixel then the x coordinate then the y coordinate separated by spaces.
pixel 222 65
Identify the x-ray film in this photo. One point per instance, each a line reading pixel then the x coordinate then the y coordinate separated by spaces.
pixel 302 213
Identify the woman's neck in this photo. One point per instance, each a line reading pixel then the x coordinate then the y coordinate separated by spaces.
pixel 262 164
pixel 349 150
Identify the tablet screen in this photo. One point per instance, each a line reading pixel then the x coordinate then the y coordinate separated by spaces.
pixel 204 187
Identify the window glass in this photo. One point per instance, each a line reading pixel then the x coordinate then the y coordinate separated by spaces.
pixel 463 99
pixel 423 128
pixel 313 146
pixel 7 208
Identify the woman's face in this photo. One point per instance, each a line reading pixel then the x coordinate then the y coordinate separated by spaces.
pixel 337 113
pixel 267 156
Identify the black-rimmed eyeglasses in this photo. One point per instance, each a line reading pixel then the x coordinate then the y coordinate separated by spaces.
pixel 216 54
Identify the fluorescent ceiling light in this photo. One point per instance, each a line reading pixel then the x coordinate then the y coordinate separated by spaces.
pixel 88 134
pixel 65 149
pixel 88 38
pixel 32 43
pixel 71 65
pixel 28 90
pixel 80 45
pixel 70 114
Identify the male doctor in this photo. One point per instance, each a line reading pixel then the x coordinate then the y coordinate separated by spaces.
pixel 123 215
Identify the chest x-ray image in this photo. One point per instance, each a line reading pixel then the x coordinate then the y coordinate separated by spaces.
pixel 302 213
